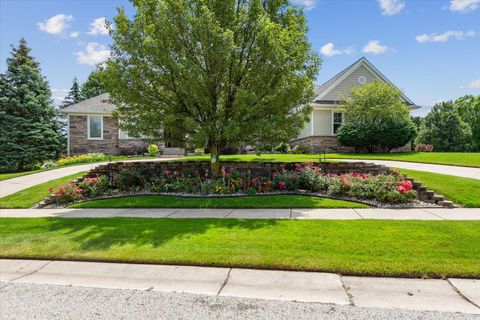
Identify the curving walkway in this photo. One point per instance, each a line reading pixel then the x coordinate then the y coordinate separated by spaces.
pixel 465 172
pixel 10 186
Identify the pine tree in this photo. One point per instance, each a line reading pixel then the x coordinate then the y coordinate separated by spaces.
pixel 29 128
pixel 73 96
pixel 94 85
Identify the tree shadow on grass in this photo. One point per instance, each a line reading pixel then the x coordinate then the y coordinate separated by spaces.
pixel 103 234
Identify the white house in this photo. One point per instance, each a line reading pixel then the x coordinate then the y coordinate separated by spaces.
pixel 319 134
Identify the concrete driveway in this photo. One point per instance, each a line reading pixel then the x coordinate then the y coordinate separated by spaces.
pixel 465 172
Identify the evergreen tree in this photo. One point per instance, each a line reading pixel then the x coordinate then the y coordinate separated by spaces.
pixel 73 96
pixel 94 85
pixel 29 128
pixel 444 129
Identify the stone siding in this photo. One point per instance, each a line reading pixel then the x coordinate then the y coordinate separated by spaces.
pixel 328 144
pixel 154 168
pixel 110 144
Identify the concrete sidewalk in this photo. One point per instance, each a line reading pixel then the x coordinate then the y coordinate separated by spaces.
pixel 459 171
pixel 294 214
pixel 452 295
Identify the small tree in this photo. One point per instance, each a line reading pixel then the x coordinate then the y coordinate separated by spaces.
pixel 444 129
pixel 468 107
pixel 376 119
pixel 29 128
pixel 73 96
pixel 95 84
pixel 223 71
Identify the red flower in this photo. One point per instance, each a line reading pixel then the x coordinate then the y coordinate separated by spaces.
pixel 401 189
pixel 281 185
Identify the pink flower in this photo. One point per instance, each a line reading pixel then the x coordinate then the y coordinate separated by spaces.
pixel 281 185
pixel 401 189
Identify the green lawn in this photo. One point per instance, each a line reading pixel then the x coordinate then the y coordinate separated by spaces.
pixel 463 191
pixel 356 247
pixel 28 197
pixel 449 158
pixel 273 201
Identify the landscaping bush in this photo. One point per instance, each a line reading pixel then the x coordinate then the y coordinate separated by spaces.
pixel 49 164
pixel 299 150
pixel 153 149
pixel 421 147
pixel 126 180
pixel 282 147
pixel 83 158
pixel 67 193
pixel 376 119
pixel 93 187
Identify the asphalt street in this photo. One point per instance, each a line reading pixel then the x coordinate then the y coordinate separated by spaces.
pixel 32 301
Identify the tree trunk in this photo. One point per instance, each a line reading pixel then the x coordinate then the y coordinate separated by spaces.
pixel 215 161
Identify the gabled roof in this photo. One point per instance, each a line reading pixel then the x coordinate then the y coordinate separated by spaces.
pixel 96 105
pixel 325 88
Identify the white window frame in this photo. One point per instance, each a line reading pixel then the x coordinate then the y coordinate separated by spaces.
pixel 333 120
pixel 101 127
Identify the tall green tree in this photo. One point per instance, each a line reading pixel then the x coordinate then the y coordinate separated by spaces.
pixel 224 71
pixel 444 129
pixel 94 85
pixel 468 107
pixel 376 119
pixel 73 96
pixel 29 129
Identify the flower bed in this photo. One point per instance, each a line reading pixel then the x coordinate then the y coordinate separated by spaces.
pixel 391 187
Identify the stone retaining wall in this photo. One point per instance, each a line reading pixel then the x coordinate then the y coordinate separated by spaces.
pixel 255 168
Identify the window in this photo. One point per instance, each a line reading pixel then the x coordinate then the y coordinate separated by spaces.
pixel 337 121
pixel 95 127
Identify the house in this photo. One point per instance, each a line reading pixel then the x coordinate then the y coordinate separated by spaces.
pixel 92 128
pixel 319 134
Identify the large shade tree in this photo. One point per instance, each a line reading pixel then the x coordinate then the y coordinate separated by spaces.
pixel 94 85
pixel 223 71
pixel 29 127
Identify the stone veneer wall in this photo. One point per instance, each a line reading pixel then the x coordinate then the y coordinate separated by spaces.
pixel 320 144
pixel 256 168
pixel 110 144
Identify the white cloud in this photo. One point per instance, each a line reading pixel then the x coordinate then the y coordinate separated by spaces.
pixel 98 27
pixel 375 47
pixel 391 7
pixel 443 37
pixel 464 6
pixel 329 50
pixel 307 4
pixel 475 84
pixel 94 53
pixel 56 24
pixel 74 34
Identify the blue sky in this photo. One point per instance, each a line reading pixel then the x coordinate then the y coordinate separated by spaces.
pixel 429 49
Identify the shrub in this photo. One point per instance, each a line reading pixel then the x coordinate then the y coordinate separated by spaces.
pixel 376 119
pixel 93 187
pixel 128 179
pixel 282 147
pixel 49 164
pixel 153 149
pixel 299 150
pixel 67 193
pixel 83 158
pixel 424 147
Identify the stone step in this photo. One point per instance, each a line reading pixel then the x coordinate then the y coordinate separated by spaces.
pixel 420 188
pixel 446 204
pixel 438 197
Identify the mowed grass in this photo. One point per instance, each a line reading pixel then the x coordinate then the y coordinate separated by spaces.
pixel 448 158
pixel 29 197
pixel 463 191
pixel 358 247
pixel 273 201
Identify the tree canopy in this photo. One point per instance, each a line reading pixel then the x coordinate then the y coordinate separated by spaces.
pixel 94 85
pixel 376 119
pixel 29 129
pixel 223 71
